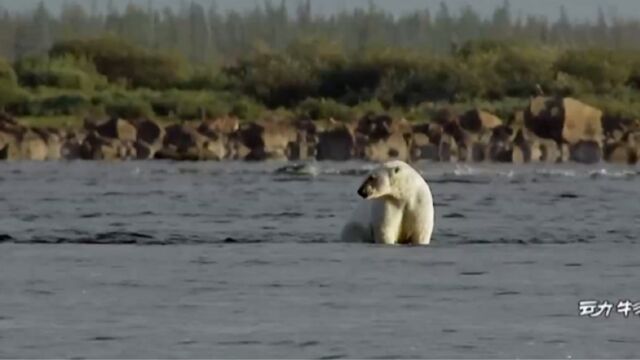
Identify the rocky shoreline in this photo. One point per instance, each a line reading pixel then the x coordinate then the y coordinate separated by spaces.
pixel 548 130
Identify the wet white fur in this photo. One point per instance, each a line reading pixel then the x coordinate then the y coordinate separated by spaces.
pixel 400 211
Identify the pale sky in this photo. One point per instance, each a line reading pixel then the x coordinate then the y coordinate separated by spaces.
pixel 578 10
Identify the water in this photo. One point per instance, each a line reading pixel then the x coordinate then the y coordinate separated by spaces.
pixel 159 259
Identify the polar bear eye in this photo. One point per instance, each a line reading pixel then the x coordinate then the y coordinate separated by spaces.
pixel 396 170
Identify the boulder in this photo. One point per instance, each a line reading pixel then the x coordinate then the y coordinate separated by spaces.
pixel 382 138
pixel 477 121
pixel 527 147
pixel 585 151
pixel 627 150
pixel 545 150
pixel 478 151
pixel 380 127
pixel 267 139
pixel 53 139
pixel 223 125
pixel 448 149
pixel 500 144
pixel 336 143
pixel 425 140
pixel 9 149
pixel 303 148
pixel 620 152
pixel 614 127
pixel 6 119
pixel 576 126
pixel 235 149
pixel 463 140
pixel 307 140
pixel 474 133
pixel 392 147
pixel 149 132
pixel 183 142
pixel 32 146
pixel 116 128
pixel 143 151
pixel 96 147
pixel 582 123
pixel 422 148
pixel 71 148
pixel 54 147
pixel 444 115
pixel 544 117
pixel 521 150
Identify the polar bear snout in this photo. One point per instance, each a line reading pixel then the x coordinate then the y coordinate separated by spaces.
pixel 374 186
pixel 366 189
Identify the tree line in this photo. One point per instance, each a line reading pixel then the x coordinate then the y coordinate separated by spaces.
pixel 205 34
pixel 310 77
pixel 80 64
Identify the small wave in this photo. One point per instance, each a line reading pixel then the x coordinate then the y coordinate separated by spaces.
pixel 472 273
pixel 359 170
pixel 506 292
pixel 106 338
pixel 299 170
pixel 458 180
pixel 284 214
pixel 473 171
pixel 555 172
pixel 568 196
pixel 594 174
pixel 453 216
pixel 612 174
pixel 231 240
pixel 530 241
pixel 346 172
pixel 466 170
pixel 6 238
pixel 294 178
pixel 477 175
pixel 106 238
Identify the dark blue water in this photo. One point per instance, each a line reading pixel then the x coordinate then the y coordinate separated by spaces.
pixel 158 259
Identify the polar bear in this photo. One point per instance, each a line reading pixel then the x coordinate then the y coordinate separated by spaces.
pixel 398 208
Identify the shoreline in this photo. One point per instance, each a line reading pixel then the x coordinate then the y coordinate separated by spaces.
pixel 548 130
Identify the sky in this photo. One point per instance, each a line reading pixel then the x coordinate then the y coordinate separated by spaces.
pixel 579 10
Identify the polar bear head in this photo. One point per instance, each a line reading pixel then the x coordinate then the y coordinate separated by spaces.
pixel 393 179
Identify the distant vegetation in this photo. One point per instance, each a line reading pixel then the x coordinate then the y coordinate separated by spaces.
pixel 205 34
pixel 198 63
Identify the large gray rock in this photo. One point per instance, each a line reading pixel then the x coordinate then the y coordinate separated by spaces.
pixel 183 142
pixel 336 143
pixel 116 128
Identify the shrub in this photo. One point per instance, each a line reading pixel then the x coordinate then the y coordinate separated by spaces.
pixel 246 109
pixel 190 105
pixel 373 75
pixel 623 103
pixel 123 104
pixel 13 99
pixel 65 73
pixel 602 70
pixel 206 78
pixel 65 104
pixel 7 75
pixel 317 109
pixel 523 70
pixel 274 79
pixel 118 59
pixel 373 106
